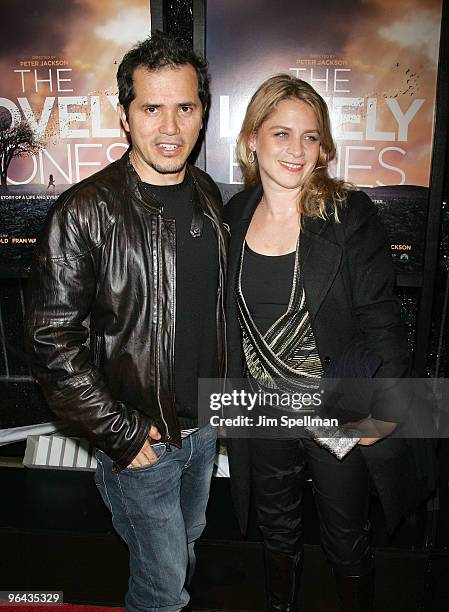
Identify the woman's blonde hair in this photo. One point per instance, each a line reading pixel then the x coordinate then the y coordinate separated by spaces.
pixel 320 194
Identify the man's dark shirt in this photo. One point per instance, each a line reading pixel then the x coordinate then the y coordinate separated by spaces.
pixel 196 354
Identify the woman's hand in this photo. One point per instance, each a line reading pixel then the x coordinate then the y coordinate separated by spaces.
pixel 371 430
pixel 368 441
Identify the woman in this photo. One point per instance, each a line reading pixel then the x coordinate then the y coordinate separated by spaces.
pixel 310 274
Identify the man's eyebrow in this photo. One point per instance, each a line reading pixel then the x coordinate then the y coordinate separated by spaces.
pixel 151 105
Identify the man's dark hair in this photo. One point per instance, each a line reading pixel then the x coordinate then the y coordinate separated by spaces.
pixel 159 51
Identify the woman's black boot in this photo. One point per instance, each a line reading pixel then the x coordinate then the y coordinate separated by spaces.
pixel 356 593
pixel 283 575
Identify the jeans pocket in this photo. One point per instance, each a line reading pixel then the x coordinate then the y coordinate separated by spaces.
pixel 99 474
pixel 159 449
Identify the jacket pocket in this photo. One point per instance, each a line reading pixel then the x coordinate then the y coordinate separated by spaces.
pixel 97 348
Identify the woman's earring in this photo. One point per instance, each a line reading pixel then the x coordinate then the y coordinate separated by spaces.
pixel 251 157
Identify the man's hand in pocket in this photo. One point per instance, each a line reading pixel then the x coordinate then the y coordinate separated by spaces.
pixel 146 454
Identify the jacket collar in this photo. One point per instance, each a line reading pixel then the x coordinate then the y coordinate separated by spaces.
pixel 320 259
pixel 250 205
pixel 319 252
pixel 240 228
pixel 135 185
pixel 202 198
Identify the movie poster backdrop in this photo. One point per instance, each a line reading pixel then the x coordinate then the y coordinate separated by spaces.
pixel 58 98
pixel 374 62
pixel 58 102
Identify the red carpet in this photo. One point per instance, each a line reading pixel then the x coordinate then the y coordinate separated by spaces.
pixel 56 608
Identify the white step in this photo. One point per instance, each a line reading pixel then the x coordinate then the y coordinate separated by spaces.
pixel 57 452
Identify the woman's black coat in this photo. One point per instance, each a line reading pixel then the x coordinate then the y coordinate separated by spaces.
pixel 348 278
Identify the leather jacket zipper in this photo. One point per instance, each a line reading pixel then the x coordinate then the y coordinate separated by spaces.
pixel 223 288
pixel 158 332
pixel 222 296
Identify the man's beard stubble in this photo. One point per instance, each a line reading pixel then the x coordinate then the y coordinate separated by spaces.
pixel 163 170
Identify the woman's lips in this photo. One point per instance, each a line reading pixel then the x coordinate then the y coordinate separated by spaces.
pixel 291 167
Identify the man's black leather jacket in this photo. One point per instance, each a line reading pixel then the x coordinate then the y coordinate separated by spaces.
pixel 101 316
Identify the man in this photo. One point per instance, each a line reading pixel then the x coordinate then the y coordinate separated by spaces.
pixel 134 258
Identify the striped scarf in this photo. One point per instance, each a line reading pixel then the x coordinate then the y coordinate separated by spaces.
pixel 285 357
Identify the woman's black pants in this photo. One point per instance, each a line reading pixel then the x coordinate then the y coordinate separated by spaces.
pixel 341 492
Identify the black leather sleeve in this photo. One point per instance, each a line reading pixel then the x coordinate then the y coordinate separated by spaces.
pixel 62 290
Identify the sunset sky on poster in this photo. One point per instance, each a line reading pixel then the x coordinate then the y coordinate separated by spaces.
pixel 90 37
pixel 390 53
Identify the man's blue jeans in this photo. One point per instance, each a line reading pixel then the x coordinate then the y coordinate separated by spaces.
pixel 160 510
